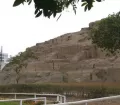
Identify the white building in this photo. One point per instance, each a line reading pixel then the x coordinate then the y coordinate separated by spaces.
pixel 3 59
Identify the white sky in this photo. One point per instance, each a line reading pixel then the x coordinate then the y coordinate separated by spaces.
pixel 19 28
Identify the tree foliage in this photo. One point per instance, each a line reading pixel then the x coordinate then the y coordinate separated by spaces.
pixel 19 62
pixel 53 7
pixel 107 33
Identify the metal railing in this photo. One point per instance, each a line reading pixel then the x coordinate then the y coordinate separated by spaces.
pixel 21 100
pixel 89 101
pixel 59 98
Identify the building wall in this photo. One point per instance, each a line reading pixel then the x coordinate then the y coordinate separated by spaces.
pixel 3 60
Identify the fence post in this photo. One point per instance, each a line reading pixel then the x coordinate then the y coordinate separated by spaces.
pixel 35 97
pixel 45 101
pixel 15 95
pixel 20 102
pixel 64 98
pixel 57 98
pixel 60 99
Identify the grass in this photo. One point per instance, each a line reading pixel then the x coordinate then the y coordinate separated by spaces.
pixel 11 103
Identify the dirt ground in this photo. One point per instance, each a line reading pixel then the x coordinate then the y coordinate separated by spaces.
pixel 107 102
pixel 111 102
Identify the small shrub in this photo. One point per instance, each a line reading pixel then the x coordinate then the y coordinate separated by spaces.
pixel 29 102
pixel 39 103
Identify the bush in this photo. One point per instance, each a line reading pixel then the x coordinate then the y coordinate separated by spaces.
pixel 83 91
pixel 29 102
pixel 39 103
pixel 106 33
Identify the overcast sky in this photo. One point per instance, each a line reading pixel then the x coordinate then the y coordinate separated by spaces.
pixel 19 28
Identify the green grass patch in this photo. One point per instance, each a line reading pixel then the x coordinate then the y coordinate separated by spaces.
pixel 11 103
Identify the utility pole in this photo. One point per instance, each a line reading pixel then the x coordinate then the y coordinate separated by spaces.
pixel 1 58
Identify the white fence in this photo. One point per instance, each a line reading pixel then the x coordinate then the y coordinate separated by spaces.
pixel 59 98
pixel 21 100
pixel 89 101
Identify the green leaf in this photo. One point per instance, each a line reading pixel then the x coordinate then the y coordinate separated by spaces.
pixel 83 0
pixel 54 14
pixel 86 7
pixel 59 17
pixel 89 7
pixel 36 11
pixel 99 0
pixel 53 7
pixel 84 4
pixel 39 14
pixel 29 2
pixel 18 2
